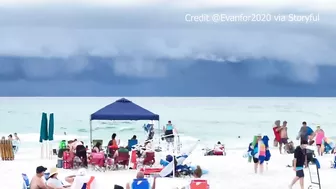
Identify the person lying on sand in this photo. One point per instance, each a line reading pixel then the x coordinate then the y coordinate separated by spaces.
pixel 54 183
pixel 140 176
pixel 37 181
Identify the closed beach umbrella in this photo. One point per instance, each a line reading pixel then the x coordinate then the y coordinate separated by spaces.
pixel 44 128
pixel 51 127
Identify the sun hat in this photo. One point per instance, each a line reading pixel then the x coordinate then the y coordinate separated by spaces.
pixel 53 171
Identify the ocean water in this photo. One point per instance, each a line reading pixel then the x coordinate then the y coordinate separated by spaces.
pixel 207 119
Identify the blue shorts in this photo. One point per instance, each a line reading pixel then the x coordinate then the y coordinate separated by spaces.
pixel 300 173
pixel 262 159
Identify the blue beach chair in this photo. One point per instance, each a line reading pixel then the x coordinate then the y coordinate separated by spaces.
pixel 140 184
pixel 131 143
pixel 26 183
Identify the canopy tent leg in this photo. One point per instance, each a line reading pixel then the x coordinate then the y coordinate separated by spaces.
pixel 159 132
pixel 91 134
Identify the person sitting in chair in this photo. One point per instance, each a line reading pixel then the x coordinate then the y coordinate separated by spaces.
pixel 113 146
pixel 141 182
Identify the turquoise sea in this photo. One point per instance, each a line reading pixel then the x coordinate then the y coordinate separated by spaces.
pixel 207 119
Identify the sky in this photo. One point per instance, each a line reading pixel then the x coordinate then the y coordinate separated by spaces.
pixel 155 48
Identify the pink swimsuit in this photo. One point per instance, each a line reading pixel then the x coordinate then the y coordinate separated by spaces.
pixel 319 137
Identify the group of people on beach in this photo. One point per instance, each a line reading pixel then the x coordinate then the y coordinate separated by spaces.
pixel 281 139
pixel 50 180
pixel 15 141
pixel 302 154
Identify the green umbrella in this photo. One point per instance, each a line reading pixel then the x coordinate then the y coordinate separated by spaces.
pixel 44 128
pixel 51 127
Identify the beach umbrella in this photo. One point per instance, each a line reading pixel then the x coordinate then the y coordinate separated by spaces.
pixel 44 128
pixel 51 127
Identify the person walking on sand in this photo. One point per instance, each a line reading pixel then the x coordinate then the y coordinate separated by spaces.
pixel 276 131
pixel 284 136
pixel 305 132
pixel 319 133
pixel 258 153
pixel 299 162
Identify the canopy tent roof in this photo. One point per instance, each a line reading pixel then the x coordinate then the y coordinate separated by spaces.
pixel 123 109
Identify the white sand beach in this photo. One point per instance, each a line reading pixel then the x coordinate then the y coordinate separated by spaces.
pixel 231 171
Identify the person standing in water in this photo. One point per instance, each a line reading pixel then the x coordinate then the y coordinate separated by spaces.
pixel 284 136
pixel 169 134
pixel 319 139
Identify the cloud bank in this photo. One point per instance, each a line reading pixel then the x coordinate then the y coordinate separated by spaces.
pixel 62 41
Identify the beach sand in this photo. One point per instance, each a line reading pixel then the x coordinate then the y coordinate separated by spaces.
pixel 231 171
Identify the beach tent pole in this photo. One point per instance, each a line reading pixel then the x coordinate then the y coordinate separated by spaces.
pixel 174 165
pixel 159 133
pixel 91 134
pixel 50 135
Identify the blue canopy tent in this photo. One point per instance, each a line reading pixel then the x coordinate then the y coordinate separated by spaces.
pixel 122 109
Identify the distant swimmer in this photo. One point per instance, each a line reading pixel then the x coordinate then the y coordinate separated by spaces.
pixel 238 136
pixel 64 133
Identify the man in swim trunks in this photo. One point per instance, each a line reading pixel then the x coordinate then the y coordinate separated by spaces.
pixel 283 135
pixel 299 163
pixel 37 181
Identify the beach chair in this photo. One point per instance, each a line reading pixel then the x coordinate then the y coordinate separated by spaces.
pixel 199 184
pixel 131 143
pixel 149 159
pixel 26 184
pixel 140 184
pixel 122 159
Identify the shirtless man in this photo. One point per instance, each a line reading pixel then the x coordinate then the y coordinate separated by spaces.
pixel 37 181
pixel 283 135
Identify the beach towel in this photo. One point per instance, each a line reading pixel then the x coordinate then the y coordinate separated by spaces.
pixel 328 145
pixel 265 139
pixel 261 152
pixel 250 150
pixel 140 184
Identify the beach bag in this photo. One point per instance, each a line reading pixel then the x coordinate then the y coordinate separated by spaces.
pixel 275 143
pixel 59 163
pixel 66 165
pixel 199 184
